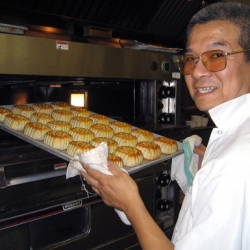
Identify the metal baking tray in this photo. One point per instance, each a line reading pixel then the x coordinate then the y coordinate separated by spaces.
pixel 62 153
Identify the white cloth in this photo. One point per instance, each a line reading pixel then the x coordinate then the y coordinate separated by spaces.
pixel 95 158
pixel 216 210
pixel 185 166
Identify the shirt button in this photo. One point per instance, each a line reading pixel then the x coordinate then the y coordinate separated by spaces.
pixel 220 132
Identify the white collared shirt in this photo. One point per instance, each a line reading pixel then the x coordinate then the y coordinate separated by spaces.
pixel 215 213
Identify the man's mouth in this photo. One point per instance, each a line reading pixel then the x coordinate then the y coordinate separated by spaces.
pixel 205 90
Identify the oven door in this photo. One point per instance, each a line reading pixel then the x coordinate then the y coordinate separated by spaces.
pixel 88 226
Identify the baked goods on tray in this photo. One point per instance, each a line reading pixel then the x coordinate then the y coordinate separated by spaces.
pixel 151 151
pixel 115 159
pixel 131 157
pixel 80 121
pixel 41 117
pixel 62 115
pixel 81 134
pixel 60 105
pixel 81 131
pixel 24 110
pixel 167 145
pixel 16 121
pixel 80 111
pixel 57 139
pixel 112 144
pixel 142 135
pixel 3 113
pixel 59 125
pixel 43 108
pixel 99 119
pixel 36 130
pixel 118 126
pixel 125 139
pixel 102 130
pixel 76 147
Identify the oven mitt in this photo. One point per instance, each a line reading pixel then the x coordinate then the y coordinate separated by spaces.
pixel 185 166
pixel 95 158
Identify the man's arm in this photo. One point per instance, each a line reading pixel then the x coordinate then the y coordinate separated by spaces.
pixel 121 192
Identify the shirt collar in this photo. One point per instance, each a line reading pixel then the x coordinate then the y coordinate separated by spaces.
pixel 231 113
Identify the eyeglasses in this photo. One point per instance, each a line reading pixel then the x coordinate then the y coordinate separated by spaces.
pixel 213 60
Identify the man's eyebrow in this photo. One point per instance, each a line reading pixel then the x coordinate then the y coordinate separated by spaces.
pixel 209 46
pixel 219 43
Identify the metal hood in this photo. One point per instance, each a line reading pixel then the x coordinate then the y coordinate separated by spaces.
pixel 154 22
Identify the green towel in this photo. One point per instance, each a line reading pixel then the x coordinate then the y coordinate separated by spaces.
pixel 188 154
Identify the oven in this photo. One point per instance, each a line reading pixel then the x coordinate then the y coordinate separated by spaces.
pixel 39 208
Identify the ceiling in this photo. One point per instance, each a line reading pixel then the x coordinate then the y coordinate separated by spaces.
pixel 161 22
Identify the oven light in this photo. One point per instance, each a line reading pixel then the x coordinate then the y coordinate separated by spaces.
pixel 77 99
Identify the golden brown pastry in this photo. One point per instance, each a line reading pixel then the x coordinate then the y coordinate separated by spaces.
pixel 142 135
pixel 16 121
pixel 82 122
pixel 168 146
pixel 125 139
pixel 3 113
pixel 99 119
pixel 41 117
pixel 80 111
pixel 59 125
pixel 61 105
pixel 43 108
pixel 102 130
pixel 131 157
pixel 81 134
pixel 115 159
pixel 62 115
pixel 57 139
pixel 112 144
pixel 36 130
pixel 24 110
pixel 151 151
pixel 118 126
pixel 76 147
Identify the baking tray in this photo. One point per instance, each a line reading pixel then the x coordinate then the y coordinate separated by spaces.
pixel 62 153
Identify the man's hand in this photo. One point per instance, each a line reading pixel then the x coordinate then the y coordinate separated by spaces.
pixel 118 191
pixel 200 150
pixel 121 192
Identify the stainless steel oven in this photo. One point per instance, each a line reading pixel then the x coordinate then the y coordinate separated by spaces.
pixel 39 208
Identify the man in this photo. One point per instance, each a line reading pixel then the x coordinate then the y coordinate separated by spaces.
pixel 216 210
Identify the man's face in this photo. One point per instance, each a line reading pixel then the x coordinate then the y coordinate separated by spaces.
pixel 209 89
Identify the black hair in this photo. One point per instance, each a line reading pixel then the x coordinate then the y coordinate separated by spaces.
pixel 236 13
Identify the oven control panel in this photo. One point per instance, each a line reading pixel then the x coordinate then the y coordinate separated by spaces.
pixel 166 102
pixel 167 200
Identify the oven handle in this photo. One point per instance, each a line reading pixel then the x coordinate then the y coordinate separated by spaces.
pixel 46 212
pixel 4 182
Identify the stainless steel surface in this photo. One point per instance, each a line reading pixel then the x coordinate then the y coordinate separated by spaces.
pixel 35 177
pixel 22 55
